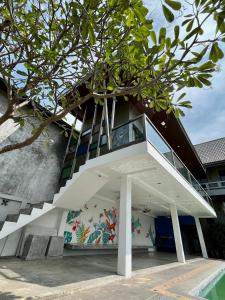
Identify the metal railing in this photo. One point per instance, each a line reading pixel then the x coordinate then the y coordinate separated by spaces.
pixel 213 185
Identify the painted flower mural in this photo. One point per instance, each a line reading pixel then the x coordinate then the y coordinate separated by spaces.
pixel 136 226
pixel 103 231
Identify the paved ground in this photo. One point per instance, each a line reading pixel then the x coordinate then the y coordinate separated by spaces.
pixel 94 277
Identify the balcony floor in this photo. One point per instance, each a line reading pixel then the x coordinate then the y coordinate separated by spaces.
pixel 156 183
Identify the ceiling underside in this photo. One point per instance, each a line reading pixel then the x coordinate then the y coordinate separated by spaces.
pixel 153 188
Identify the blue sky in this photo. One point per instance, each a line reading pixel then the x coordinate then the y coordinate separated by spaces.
pixel 206 120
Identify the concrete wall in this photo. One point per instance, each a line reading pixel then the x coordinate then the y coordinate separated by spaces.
pixel 97 223
pixel 32 173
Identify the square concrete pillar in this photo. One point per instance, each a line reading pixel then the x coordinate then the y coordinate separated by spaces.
pixel 201 238
pixel 177 234
pixel 124 263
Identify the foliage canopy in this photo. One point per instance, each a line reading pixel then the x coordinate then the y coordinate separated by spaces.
pixel 48 47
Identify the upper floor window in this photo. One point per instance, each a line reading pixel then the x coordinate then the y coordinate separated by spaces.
pixel 222 175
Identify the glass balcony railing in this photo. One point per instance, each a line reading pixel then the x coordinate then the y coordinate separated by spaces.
pixel 156 139
pixel 132 132
pixel 141 129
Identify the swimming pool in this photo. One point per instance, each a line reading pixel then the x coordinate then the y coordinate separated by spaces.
pixel 215 289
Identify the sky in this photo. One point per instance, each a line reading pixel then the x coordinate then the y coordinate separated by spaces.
pixel 206 120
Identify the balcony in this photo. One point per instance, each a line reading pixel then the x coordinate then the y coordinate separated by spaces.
pixel 136 148
pixel 214 188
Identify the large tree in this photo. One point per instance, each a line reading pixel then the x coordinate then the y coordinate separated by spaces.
pixel 48 47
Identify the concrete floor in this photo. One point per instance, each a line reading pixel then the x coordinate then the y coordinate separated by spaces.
pixel 59 278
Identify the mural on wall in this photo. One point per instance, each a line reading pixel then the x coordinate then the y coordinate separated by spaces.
pixel 103 231
pixel 96 223
pixel 151 235
pixel 135 226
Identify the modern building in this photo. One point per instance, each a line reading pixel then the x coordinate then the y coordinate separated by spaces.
pixel 129 173
pixel 212 155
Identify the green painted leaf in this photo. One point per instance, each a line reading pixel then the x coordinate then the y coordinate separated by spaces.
pixel 93 236
pixel 105 238
pixel 67 236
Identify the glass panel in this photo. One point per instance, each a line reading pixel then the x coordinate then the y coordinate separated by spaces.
pixel 132 132
pixel 156 140
pixel 181 167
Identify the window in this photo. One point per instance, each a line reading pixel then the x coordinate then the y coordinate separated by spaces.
pixel 222 175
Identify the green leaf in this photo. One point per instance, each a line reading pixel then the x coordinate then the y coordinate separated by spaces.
pixel 186 104
pixel 204 81
pixel 168 14
pixel 190 25
pixel 181 96
pixel 153 37
pixel 22 73
pixel 207 66
pixel 192 33
pixel 92 35
pixel 130 18
pixel 176 32
pixel 162 34
pixel 173 4
pixel 216 53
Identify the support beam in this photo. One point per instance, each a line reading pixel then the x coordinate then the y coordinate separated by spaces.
pixel 201 238
pixel 124 263
pixel 177 234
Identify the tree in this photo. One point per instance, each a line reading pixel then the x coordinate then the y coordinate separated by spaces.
pixel 48 47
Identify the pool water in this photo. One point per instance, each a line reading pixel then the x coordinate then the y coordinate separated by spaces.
pixel 216 289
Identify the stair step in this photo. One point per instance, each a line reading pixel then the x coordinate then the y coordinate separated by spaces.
pixel 26 211
pixel 1 224
pixel 12 217
pixel 37 205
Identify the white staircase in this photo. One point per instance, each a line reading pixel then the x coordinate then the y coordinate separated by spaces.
pixel 14 222
pixel 77 191
pixel 80 189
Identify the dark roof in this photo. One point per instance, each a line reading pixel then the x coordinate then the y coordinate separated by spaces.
pixel 212 151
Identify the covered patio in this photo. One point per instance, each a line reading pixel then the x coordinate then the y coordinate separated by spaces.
pixel 23 279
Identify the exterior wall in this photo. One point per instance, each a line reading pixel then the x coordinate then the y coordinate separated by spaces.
pixel 97 223
pixel 32 173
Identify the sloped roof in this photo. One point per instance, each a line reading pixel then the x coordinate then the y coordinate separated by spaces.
pixel 212 151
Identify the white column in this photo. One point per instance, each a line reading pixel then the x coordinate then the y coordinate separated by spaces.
pixel 124 262
pixel 177 234
pixel 201 238
pixel 62 223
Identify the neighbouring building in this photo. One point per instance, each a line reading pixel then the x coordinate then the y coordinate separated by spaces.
pixel 212 155
pixel 127 181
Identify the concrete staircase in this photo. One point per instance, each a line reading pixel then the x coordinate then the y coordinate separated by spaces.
pixel 83 185
pixel 26 215
pixel 80 188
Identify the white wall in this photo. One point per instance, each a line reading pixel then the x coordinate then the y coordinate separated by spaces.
pixel 99 220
